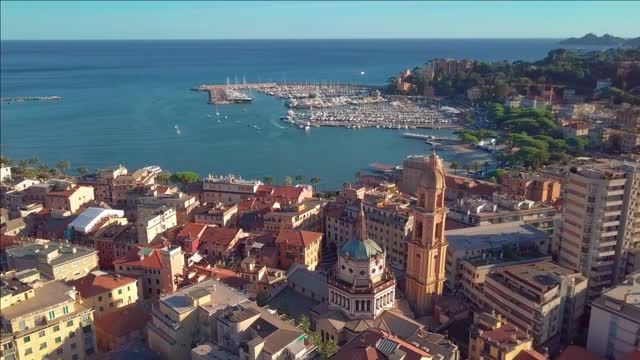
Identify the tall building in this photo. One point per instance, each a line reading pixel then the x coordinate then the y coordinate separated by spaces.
pixel 601 222
pixel 43 320
pixel 614 326
pixel 426 252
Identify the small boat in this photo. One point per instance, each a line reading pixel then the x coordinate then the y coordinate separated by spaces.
pixel 176 127
pixel 245 110
pixel 178 131
pixel 226 117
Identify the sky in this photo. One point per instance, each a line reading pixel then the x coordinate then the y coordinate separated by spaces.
pixel 87 20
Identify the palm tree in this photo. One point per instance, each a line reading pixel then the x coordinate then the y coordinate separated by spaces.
pixel 268 180
pixel 305 323
pixel 287 181
pixel 299 179
pixel 63 166
pixel 475 166
pixel 467 167
pixel 455 166
pixel 315 181
pixel 358 175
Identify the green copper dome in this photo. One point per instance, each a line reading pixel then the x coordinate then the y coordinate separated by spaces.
pixel 360 249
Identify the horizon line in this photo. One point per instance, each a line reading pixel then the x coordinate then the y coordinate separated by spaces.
pixel 308 39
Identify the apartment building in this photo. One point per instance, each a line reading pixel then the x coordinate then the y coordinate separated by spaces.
pixel 487 241
pixel 542 298
pixel 155 196
pixel 68 199
pixel 614 326
pixel 491 338
pixel 216 214
pixel 217 242
pixel 106 292
pixel 260 279
pixel 228 190
pixel 125 181
pixel 59 261
pixel 531 186
pixel 298 247
pixel 306 215
pixel 43 319
pixel 192 311
pixel 153 222
pixel 286 195
pixel 156 269
pixel 601 222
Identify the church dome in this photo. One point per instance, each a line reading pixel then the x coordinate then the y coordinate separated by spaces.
pixel 360 249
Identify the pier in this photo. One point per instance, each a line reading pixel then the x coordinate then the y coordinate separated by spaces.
pixel 30 98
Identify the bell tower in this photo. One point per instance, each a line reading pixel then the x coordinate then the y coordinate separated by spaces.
pixel 427 250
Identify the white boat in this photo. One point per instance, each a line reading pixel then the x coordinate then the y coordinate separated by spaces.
pixel 178 131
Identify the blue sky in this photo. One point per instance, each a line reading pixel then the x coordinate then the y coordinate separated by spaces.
pixel 259 20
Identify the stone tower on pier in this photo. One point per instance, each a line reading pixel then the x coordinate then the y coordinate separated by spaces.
pixel 427 250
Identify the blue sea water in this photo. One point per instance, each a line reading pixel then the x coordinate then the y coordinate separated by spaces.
pixel 122 101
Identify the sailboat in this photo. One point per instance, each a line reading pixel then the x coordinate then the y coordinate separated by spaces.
pixel 217 113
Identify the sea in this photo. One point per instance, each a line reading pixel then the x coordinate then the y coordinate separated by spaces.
pixel 123 101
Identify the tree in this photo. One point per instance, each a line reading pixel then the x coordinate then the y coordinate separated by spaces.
pixel 327 349
pixel 474 165
pixel 578 143
pixel 5 161
pixel 496 174
pixel 299 179
pixel 63 166
pixel 455 166
pixel 262 298
pixel 164 177
pixel 305 323
pixel 184 178
pixel 82 170
pixel 288 181
pixel 315 181
pixel 268 180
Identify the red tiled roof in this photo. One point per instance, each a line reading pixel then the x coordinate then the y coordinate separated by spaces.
pixel 291 193
pixel 8 240
pixel 192 230
pixel 363 347
pixel 153 261
pixel 225 276
pixel 256 204
pixel 504 334
pixel 123 321
pixel 297 237
pixel 219 235
pixel 530 355
pixel 92 285
pixel 573 352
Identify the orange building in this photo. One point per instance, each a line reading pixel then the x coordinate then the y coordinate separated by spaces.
pixel 426 252
pixel 298 247
pixel 531 187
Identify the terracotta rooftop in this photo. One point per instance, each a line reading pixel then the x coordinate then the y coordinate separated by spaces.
pixel 297 237
pixel 530 355
pixel 505 336
pixel 290 193
pixel 123 321
pixel 142 257
pixel 573 352
pixel 192 230
pixel 219 235
pixel 376 344
pixel 99 282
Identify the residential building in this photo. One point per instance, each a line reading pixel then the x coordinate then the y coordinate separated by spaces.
pixel 124 181
pixel 260 279
pixel 614 325
pixel 217 242
pixel 228 190
pixel 157 270
pixel 491 338
pixel 298 247
pixel 302 216
pixel 5 173
pixel 285 195
pixel 84 227
pixel 188 315
pixel 43 320
pixel 628 117
pixel 474 93
pixel 601 222
pixel 575 129
pixel 183 203
pixel 53 260
pixel 534 102
pixel 482 242
pixel 216 214
pixel 113 242
pixel 542 298
pixel 531 186
pixel 460 187
pixel 402 85
pixel 121 327
pixel 340 225
pixel 106 292
pixel 427 250
pixel 153 222
pixel 379 344
pixel 68 200
pixel 628 139
pixel 189 237
pixel 13 227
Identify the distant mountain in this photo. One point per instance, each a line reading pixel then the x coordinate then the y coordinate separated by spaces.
pixel 595 40
pixel 635 42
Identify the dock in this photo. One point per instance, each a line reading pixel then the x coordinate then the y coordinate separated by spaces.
pixel 30 98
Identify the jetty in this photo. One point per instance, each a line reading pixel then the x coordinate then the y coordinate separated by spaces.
pixel 30 98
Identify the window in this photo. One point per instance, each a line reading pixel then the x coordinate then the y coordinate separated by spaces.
pixel 56 328
pixel 73 346
pixel 29 351
pixel 110 305
pixel 70 323
pixel 43 345
pixel 109 294
pixel 100 298
pixel 52 315
pixel 74 357
pixel 41 333
pixel 26 339
pixel 101 309
pixel 59 351
pixel 119 291
pixel 75 264
pixel 72 334
pixel 58 340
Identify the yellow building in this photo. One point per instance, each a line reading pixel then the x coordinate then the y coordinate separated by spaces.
pixel 306 215
pixel 491 338
pixel 426 252
pixel 43 320
pixel 106 292
pixel 54 260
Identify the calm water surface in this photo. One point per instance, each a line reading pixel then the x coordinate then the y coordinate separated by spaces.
pixel 122 101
